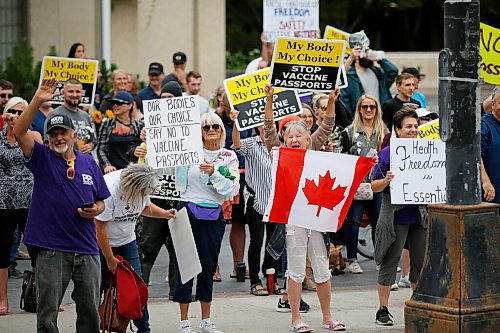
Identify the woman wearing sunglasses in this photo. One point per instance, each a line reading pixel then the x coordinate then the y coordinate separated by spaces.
pixel 366 132
pixel 116 135
pixel 16 183
pixel 203 190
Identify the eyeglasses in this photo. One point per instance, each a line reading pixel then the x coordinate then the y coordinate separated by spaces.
pixel 6 95
pixel 14 111
pixel 207 128
pixel 70 172
pixel 366 107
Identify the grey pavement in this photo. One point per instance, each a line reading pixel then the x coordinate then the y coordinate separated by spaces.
pixel 354 302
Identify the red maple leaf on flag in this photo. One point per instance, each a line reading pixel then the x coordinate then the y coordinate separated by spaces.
pixel 323 195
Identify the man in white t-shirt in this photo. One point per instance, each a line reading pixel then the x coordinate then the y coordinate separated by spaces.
pixel 130 190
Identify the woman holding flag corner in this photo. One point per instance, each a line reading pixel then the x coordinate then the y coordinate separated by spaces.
pixel 301 241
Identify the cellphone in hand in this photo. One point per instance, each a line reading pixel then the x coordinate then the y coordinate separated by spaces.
pixel 87 205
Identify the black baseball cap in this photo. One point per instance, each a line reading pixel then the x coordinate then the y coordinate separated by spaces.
pixel 58 120
pixel 179 58
pixel 155 68
pixel 413 71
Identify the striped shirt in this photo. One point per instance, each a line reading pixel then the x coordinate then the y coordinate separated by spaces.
pixel 257 170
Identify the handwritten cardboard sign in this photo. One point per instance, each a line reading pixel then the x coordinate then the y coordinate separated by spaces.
pixel 285 18
pixel 429 130
pixel 490 54
pixel 246 94
pixel 173 132
pixel 419 167
pixel 63 69
pixel 337 34
pixel 166 188
pixel 307 64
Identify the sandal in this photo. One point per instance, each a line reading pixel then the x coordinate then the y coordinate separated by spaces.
pixel 232 275
pixel 217 277
pixel 278 290
pixel 300 328
pixel 334 325
pixel 254 290
pixel 4 310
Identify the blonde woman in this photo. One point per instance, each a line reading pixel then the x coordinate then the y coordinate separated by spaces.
pixel 366 132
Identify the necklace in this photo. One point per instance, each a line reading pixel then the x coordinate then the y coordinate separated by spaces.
pixel 121 122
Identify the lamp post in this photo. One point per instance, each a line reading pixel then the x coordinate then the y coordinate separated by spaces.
pixel 459 289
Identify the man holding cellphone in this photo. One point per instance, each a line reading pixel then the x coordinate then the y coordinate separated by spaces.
pixel 69 191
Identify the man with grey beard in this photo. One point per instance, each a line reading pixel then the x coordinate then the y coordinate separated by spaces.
pixel 69 191
pixel 85 134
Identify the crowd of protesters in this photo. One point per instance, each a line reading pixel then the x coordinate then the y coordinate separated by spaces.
pixel 72 186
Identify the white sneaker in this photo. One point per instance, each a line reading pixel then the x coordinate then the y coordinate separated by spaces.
pixel 208 327
pixel 404 282
pixel 186 329
pixel 394 287
pixel 354 268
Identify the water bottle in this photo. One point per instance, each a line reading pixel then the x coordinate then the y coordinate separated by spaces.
pixel 270 280
pixel 240 271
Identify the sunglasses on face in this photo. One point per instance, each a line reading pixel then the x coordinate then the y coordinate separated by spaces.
pixel 14 111
pixel 425 118
pixel 70 172
pixel 366 107
pixel 119 103
pixel 207 128
pixel 324 107
pixel 6 95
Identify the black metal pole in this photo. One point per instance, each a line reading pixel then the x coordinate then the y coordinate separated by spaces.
pixel 458 104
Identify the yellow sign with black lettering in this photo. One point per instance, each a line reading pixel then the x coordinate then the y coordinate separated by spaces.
pixel 337 34
pixel 429 130
pixel 490 54
pixel 63 69
pixel 307 64
pixel 246 94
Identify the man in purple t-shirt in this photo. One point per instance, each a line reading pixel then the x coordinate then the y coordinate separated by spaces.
pixel 68 192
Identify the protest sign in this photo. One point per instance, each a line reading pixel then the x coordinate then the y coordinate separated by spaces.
pixel 63 69
pixel 246 93
pixel 337 34
pixel 419 167
pixel 166 188
pixel 429 130
pixel 173 131
pixel 285 18
pixel 186 253
pixel 490 54
pixel 311 64
pixel 342 79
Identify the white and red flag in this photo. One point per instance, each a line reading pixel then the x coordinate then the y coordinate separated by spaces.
pixel 314 189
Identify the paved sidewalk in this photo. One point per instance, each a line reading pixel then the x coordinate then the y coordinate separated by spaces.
pixel 242 312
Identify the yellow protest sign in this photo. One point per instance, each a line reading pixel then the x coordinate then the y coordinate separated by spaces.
pixel 429 130
pixel 63 69
pixel 310 64
pixel 246 94
pixel 490 54
pixel 337 34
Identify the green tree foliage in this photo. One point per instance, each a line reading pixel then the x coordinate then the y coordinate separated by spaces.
pixel 20 69
pixel 391 25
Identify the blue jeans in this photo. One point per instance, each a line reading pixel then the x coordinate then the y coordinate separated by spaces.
pixel 54 270
pixel 353 220
pixel 129 252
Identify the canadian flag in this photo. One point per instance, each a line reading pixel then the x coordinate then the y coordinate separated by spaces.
pixel 314 189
